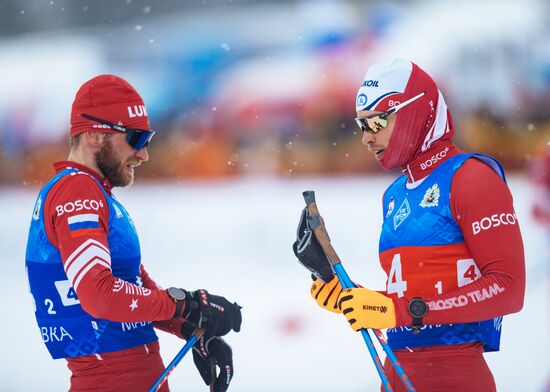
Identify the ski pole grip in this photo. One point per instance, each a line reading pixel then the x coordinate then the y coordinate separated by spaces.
pixel 313 217
pixel 309 197
pixel 318 225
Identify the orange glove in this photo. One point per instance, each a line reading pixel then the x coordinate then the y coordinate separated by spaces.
pixel 365 308
pixel 327 294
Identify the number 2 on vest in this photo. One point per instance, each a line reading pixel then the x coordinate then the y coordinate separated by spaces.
pixel 49 303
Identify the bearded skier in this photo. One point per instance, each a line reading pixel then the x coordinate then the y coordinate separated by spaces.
pixel 95 303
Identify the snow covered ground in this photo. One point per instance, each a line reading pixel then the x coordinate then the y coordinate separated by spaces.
pixel 234 238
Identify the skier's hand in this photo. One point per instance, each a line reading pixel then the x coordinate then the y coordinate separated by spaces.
pixel 214 313
pixel 209 352
pixel 327 294
pixel 365 308
pixel 309 252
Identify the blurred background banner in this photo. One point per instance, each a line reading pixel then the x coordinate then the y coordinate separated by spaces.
pixel 268 87
pixel 253 102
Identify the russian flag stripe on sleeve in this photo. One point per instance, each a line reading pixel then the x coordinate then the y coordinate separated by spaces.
pixel 83 221
pixel 83 218
pixel 83 224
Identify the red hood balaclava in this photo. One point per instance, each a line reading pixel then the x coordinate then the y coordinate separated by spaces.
pixel 110 98
pixel 420 124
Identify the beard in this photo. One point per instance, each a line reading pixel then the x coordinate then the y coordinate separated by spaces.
pixel 112 167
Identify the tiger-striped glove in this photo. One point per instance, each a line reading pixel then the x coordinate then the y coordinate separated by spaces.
pixel 327 294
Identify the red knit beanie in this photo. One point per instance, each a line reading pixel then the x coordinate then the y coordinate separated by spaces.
pixel 110 98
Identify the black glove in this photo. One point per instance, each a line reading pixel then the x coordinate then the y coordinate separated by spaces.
pixel 309 252
pixel 209 352
pixel 215 314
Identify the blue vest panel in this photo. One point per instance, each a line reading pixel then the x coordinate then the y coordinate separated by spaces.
pixel 66 329
pixel 423 252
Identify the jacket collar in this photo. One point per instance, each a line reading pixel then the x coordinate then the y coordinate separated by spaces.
pixel 62 165
pixel 424 164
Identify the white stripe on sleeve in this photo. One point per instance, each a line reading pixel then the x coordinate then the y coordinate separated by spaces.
pixel 83 218
pixel 87 255
pixel 92 263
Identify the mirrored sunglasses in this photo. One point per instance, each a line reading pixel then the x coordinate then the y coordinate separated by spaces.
pixel 376 122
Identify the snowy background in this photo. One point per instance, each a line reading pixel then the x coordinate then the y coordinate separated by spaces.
pixel 234 238
pixel 253 101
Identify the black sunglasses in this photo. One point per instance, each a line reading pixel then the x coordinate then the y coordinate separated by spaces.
pixel 137 138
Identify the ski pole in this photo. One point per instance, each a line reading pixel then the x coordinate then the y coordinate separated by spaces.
pixel 316 222
pixel 179 356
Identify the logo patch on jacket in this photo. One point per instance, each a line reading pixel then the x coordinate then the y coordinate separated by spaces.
pixel 431 197
pixel 117 211
pixel 402 213
pixel 36 212
pixel 391 206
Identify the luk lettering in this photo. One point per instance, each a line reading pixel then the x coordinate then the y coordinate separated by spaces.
pixel 495 220
pixel 78 205
pixel 137 111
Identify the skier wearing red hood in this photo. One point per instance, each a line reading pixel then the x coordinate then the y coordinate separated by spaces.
pixel 450 243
